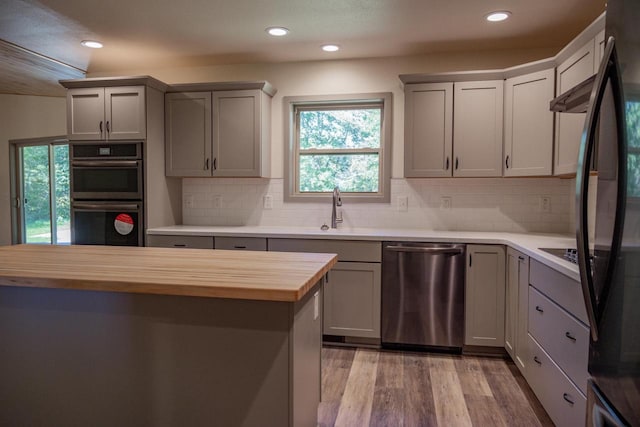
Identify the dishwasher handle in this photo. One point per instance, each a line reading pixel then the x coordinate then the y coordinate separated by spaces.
pixel 425 250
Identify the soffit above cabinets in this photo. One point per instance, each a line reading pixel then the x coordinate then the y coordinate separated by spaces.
pixel 144 34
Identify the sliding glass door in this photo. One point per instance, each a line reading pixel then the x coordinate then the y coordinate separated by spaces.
pixel 41 189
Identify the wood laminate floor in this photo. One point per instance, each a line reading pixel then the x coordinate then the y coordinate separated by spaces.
pixel 363 387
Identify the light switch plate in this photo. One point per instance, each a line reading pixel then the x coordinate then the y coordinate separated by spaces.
pixel 267 201
pixel 217 202
pixel 189 201
pixel 403 203
pixel 445 202
pixel 545 204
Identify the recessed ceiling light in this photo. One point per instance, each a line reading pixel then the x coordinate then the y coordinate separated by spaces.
pixel 91 43
pixel 330 47
pixel 498 16
pixel 277 31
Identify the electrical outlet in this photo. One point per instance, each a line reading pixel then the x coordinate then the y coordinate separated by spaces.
pixel 217 202
pixel 545 204
pixel 189 201
pixel 445 202
pixel 267 201
pixel 403 203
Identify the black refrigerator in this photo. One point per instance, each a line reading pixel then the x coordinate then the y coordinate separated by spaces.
pixel 609 258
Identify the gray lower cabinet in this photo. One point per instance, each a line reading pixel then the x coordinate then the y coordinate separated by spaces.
pixel 517 306
pixel 558 337
pixel 352 293
pixel 352 300
pixel 485 296
pixel 167 241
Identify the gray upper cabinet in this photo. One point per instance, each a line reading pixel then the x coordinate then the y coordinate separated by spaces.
pixel 572 71
pixel 528 124
pixel 477 128
pixel 219 133
pixel 106 113
pixel 428 130
pixel 239 146
pixel 188 134
pixel 453 129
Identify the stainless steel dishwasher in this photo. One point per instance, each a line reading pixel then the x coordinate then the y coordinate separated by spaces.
pixel 423 295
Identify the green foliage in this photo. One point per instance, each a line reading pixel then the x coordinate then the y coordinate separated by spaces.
pixel 35 164
pixel 337 129
pixel 352 173
pixel 633 158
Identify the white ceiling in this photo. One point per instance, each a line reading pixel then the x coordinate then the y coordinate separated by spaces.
pixel 160 33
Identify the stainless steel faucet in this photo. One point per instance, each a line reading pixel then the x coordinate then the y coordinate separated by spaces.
pixel 337 201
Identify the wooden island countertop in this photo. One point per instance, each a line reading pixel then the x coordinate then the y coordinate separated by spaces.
pixel 266 276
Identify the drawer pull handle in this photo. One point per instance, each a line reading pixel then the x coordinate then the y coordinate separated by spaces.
pixel 535 359
pixel 240 247
pixel 571 337
pixel 568 398
pixel 521 258
pixel 539 309
pixel 179 245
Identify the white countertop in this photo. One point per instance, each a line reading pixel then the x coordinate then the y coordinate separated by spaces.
pixel 527 243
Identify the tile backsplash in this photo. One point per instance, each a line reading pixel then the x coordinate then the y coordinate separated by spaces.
pixel 486 204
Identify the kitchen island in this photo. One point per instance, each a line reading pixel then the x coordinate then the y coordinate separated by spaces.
pixel 104 336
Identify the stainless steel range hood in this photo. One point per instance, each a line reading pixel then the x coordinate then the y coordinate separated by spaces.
pixel 575 100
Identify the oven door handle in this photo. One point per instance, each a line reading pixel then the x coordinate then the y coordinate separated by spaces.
pixel 101 207
pixel 106 163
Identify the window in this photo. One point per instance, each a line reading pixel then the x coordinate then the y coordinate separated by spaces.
pixel 40 191
pixel 338 141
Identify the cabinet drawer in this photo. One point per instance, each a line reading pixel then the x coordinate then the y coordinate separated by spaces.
pixel 347 250
pixel 194 242
pixel 241 243
pixel 561 289
pixel 561 335
pixel 554 390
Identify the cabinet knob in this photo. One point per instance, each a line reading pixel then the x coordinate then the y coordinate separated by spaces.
pixel 447 167
pixel 206 164
pixel 456 163
pixel 215 163
pixel 108 127
pixel 535 359
pixel 506 162
pixel 100 127
pixel 571 337
pixel 538 309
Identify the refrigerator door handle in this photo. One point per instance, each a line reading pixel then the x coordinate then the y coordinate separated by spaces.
pixel 608 72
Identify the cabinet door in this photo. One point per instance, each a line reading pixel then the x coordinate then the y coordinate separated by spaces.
pixel 528 137
pixel 428 130
pixel 236 133
pixel 125 112
pixel 517 298
pixel 522 340
pixel 188 134
pixel 569 126
pixel 485 296
pixel 511 310
pixel 352 300
pixel 85 114
pixel 477 128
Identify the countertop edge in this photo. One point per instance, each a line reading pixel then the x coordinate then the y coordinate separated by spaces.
pixel 526 243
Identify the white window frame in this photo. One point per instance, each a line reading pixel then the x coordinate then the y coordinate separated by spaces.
pixel 292 150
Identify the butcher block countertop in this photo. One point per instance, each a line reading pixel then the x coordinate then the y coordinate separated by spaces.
pixel 268 276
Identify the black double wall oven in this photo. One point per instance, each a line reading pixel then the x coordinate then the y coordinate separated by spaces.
pixel 107 193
